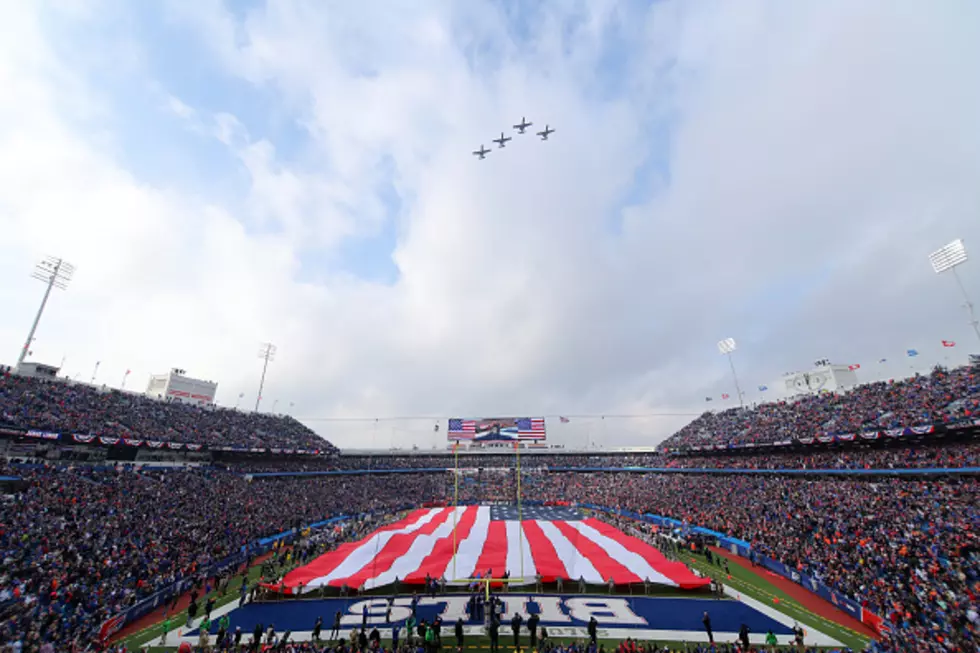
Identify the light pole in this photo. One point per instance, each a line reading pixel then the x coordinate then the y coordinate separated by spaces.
pixel 726 347
pixel 56 273
pixel 267 352
pixel 948 258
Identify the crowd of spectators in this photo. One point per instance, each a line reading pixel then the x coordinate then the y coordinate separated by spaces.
pixel 66 407
pixel 80 545
pixel 909 550
pixel 942 397
pixel 897 456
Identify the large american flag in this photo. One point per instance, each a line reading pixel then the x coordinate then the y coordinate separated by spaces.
pixel 461 429
pixel 550 542
pixel 530 428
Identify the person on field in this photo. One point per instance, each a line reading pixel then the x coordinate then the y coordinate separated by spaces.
pixel 430 639
pixel 335 631
pixel 494 636
pixel 532 629
pixel 459 633
pixel 515 626
pixel 166 629
pixel 743 636
pixel 771 640
pixel 706 620
pixel 410 629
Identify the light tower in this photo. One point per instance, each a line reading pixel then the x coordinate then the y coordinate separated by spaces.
pixel 948 258
pixel 726 347
pixel 56 273
pixel 267 352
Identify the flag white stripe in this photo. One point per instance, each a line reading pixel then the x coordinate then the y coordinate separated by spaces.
pixel 468 551
pixel 518 547
pixel 365 553
pixel 575 563
pixel 421 547
pixel 632 561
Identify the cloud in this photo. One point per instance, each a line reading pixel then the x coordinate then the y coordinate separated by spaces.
pixel 769 172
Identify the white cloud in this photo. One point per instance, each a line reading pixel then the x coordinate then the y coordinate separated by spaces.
pixel 809 156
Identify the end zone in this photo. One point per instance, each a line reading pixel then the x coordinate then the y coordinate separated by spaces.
pixel 567 616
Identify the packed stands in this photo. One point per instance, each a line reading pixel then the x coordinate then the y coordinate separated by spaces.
pixel 908 549
pixel 70 408
pixel 81 544
pixel 942 397
pixel 897 456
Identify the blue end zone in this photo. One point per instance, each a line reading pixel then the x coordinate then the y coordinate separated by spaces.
pixel 639 613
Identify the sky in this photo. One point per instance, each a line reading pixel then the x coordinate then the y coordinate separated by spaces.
pixel 224 174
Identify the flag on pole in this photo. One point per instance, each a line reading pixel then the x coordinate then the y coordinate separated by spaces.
pixel 948 343
pixel 883 360
pixel 855 366
pixel 127 372
pixel 724 396
pixel 563 420
pixel 763 388
pixel 549 541
pixel 912 353
pixel 707 398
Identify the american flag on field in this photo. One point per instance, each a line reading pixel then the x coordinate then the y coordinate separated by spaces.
pixel 462 429
pixel 459 543
pixel 530 428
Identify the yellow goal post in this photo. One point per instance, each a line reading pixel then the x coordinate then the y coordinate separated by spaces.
pixel 489 580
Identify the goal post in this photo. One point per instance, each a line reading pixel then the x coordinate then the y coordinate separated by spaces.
pixel 488 581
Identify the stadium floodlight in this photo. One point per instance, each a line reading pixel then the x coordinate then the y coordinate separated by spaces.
pixel 267 352
pixel 726 347
pixel 56 273
pixel 948 258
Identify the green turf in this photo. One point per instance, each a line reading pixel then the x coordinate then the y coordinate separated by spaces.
pixel 756 587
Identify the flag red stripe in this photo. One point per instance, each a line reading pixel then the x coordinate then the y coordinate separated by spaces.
pixel 676 571
pixel 546 560
pixel 326 563
pixel 395 548
pixel 436 563
pixel 493 557
pixel 602 561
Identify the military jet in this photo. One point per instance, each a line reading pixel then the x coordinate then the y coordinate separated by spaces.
pixel 524 124
pixel 544 134
pixel 502 141
pixel 482 152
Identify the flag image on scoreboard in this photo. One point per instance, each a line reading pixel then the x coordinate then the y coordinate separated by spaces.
pixel 497 429
pixel 461 429
pixel 550 542
pixel 530 428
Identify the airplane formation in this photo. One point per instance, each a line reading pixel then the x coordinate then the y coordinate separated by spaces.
pixel 501 142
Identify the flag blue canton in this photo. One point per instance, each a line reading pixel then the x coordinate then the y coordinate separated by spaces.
pixel 534 513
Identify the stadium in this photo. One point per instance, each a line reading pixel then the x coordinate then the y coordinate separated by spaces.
pixel 846 539
pixel 472 326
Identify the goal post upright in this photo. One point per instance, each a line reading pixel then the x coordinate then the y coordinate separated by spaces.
pixel 520 513
pixel 455 500
pixel 487 581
